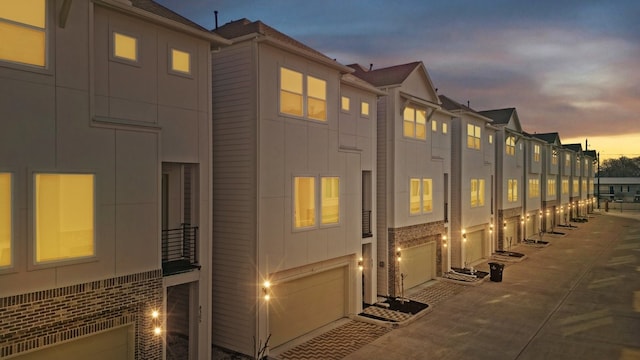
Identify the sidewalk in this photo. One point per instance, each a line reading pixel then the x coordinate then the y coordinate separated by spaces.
pixel 576 299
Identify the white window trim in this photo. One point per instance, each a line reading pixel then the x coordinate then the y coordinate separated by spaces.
pixel 12 264
pixel 421 191
pixel 342 109
pixel 305 95
pixel 112 49
pixel 317 191
pixel 361 108
pixel 170 70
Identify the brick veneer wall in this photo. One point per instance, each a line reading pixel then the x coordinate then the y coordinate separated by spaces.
pixel 410 236
pixel 43 318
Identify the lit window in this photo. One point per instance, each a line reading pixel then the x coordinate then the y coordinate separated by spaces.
pixel 64 216
pixel 444 128
pixel 415 123
pixel 511 145
pixel 316 98
pixel 477 192
pixel 567 160
pixel 330 200
pixel 490 139
pixel 536 153
pixel 5 219
pixel 23 32
pixel 576 187
pixel 304 202
pixel 434 126
pixel 125 47
pixel 292 95
pixel 554 157
pixel 584 186
pixel 414 196
pixel 577 165
pixel 551 187
pixel 364 108
pixel 534 188
pixel 565 187
pixel 346 103
pixel 473 136
pixel 512 190
pixel 427 195
pixel 180 61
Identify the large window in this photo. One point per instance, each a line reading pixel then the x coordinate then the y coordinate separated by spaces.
pixel 565 187
pixel 415 122
pixel 576 187
pixel 584 186
pixel 536 153
pixel 330 200
pixel 6 221
pixel 305 211
pixel 292 95
pixel 510 147
pixel 577 165
pixel 512 190
pixel 474 134
pixel 64 216
pixel 23 31
pixel 567 160
pixel 534 188
pixel 477 192
pixel 551 187
pixel 420 196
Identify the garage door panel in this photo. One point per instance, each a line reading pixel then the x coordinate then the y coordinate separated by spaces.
pixel 475 246
pixel 418 264
pixel 109 345
pixel 302 305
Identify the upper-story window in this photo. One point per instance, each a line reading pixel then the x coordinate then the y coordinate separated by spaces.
pixel 490 137
pixel 576 187
pixel 415 122
pixel 554 157
pixel 534 188
pixel 364 108
pixel 180 61
pixel 477 192
pixel 445 128
pixel 64 216
pixel 510 147
pixel 6 220
pixel 565 187
pixel 434 126
pixel 293 95
pixel 551 187
pixel 420 196
pixel 567 160
pixel 345 103
pixel 23 32
pixel 512 190
pixel 304 194
pixel 330 200
pixel 474 134
pixel 536 153
pixel 125 47
pixel 577 165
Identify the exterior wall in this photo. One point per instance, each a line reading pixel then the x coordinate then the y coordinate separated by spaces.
pixel 234 198
pixel 509 167
pixel 35 320
pixel 382 191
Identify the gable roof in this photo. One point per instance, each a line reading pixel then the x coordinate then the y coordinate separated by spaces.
pixel 393 75
pixel 155 8
pixel 573 147
pixel 499 116
pixel 548 137
pixel 591 153
pixel 238 28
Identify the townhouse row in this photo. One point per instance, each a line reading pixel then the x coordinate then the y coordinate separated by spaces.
pixel 161 181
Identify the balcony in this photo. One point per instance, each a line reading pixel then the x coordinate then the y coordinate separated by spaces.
pixel 366 224
pixel 179 250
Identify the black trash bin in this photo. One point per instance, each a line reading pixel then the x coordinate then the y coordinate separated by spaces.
pixel 496 271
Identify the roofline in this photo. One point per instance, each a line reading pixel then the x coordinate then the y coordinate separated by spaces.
pixel 132 10
pixel 362 85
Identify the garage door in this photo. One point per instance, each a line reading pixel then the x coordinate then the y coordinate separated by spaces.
pixel 418 264
pixel 303 305
pixel 109 345
pixel 475 246
pixel 532 226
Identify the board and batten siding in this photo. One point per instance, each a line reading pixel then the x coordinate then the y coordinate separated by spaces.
pixel 234 198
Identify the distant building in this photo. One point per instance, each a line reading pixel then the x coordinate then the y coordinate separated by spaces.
pixel 625 189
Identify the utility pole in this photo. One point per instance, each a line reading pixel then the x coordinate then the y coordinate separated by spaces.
pixel 598 192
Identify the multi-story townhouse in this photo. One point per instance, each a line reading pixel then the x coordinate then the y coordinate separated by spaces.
pixel 509 176
pixel 590 164
pixel 574 153
pixel 102 101
pixel 533 216
pixel 293 186
pixel 550 183
pixel 413 177
pixel 566 182
pixel 472 184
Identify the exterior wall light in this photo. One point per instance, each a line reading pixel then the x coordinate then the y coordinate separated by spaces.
pixel 266 290
pixel 464 235
pixel 444 241
pixel 155 322
pixel 360 264
pixel 398 254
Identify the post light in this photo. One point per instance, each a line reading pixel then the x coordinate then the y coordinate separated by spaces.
pixel 360 264
pixel 266 290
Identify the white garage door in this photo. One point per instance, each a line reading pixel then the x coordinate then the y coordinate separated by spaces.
pixel 303 305
pixel 418 264
pixel 115 344
pixel 474 247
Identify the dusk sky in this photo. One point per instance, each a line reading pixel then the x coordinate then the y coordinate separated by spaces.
pixel 571 67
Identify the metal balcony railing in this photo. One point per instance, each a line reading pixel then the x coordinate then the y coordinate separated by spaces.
pixel 179 249
pixel 366 224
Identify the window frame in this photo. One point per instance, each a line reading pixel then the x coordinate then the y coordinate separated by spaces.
pixel 480 192
pixel 365 105
pixel 565 187
pixel 321 199
pixel 445 127
pixel 551 187
pixel 536 153
pixel 306 98
pixel 534 188
pixel 170 68
pixel 33 244
pixel 414 123
pixel 434 126
pixel 112 46
pixel 318 202
pixel 11 220
pixel 49 44
pixel 425 199
pixel 512 190
pixel 342 102
pixel 474 140
pixel 510 145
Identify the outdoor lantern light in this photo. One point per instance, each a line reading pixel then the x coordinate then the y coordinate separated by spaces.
pixel 266 290
pixel 464 235
pixel 398 255
pixel 505 225
pixel 155 322
pixel 157 330
pixel 360 264
pixel 444 240
pixel 155 314
pixel 522 220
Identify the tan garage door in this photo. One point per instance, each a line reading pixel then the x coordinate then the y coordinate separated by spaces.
pixel 110 345
pixel 532 226
pixel 474 247
pixel 511 232
pixel 418 264
pixel 303 305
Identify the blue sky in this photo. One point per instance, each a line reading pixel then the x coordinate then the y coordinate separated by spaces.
pixel 567 66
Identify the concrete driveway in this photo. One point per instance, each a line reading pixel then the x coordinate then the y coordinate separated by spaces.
pixel 578 298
